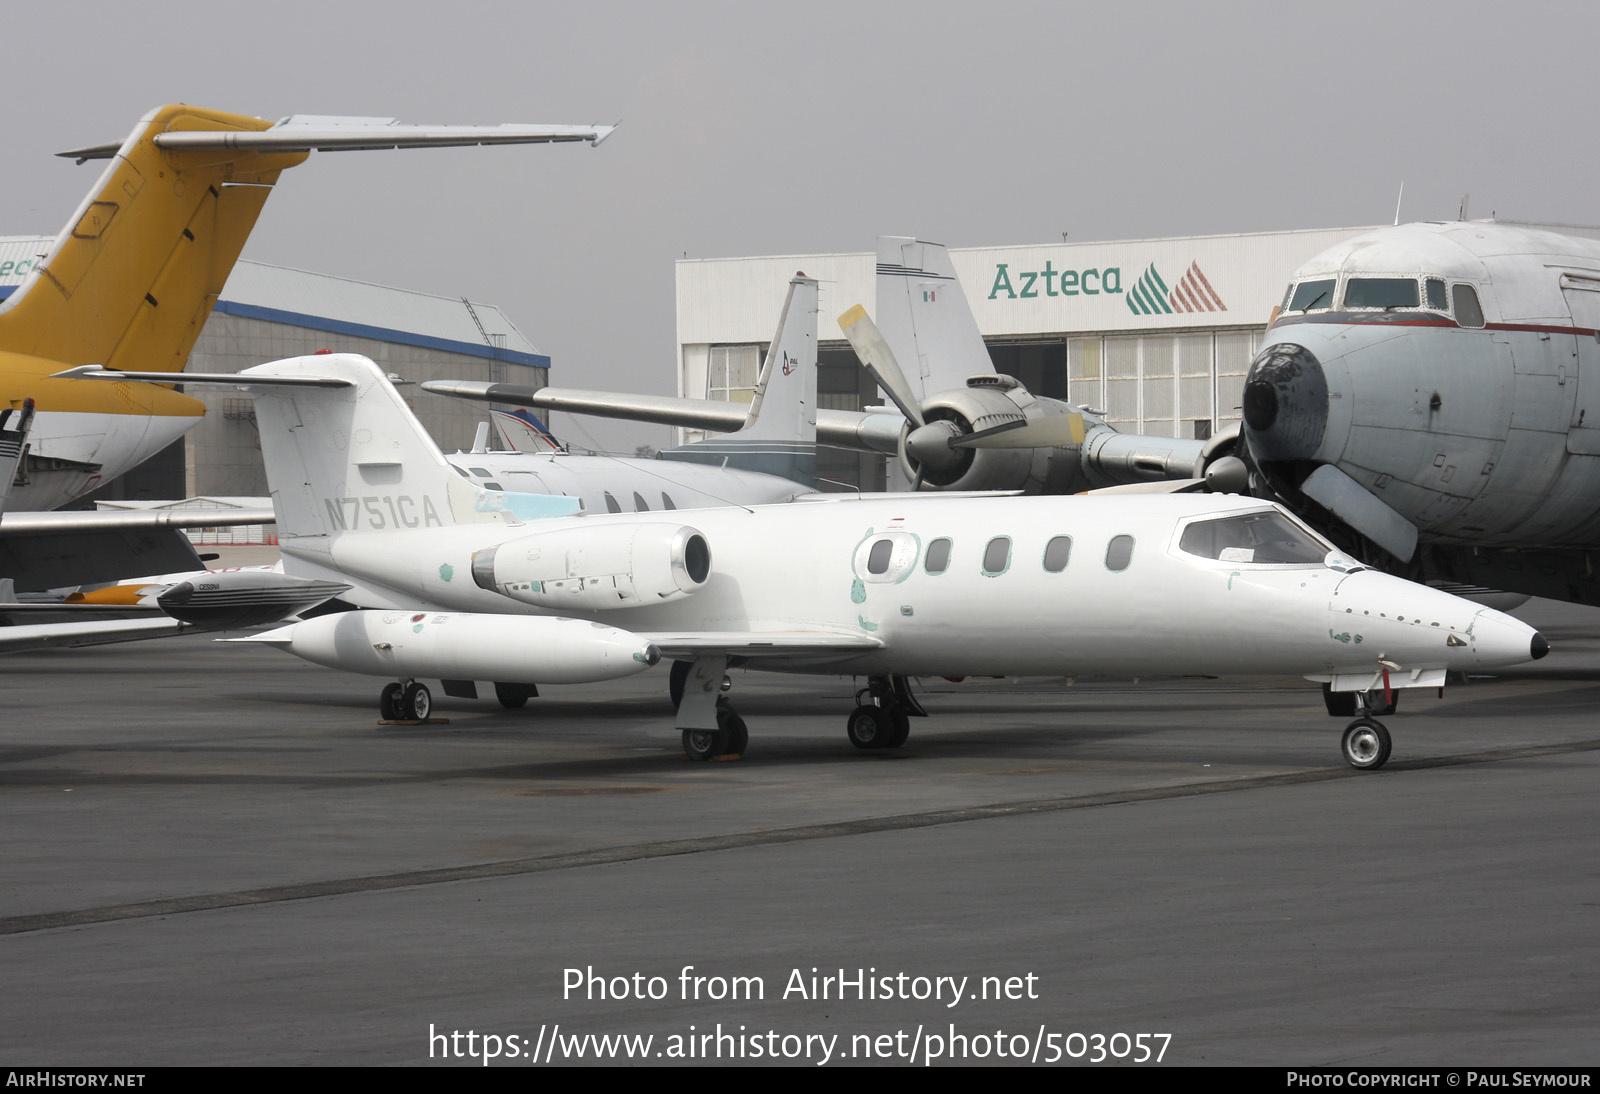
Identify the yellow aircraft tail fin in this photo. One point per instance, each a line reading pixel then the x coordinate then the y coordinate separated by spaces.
pixel 132 278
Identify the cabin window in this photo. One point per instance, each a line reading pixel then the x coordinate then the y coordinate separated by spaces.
pixel 997 556
pixel 1468 314
pixel 1056 554
pixel 1266 538
pixel 1312 296
pixel 878 558
pixel 1381 292
pixel 1436 297
pixel 611 504
pixel 938 560
pixel 887 558
pixel 666 501
pixel 639 504
pixel 1119 552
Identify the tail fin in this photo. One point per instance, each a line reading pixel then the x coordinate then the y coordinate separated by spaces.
pixel 130 281
pixel 779 436
pixel 924 316
pixel 522 431
pixel 345 454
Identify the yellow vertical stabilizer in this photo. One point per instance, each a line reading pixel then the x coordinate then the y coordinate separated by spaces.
pixel 132 278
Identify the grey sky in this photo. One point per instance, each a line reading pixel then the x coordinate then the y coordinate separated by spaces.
pixel 767 129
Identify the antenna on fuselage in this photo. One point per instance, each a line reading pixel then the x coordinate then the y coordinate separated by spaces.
pixel 1461 214
pixel 1397 202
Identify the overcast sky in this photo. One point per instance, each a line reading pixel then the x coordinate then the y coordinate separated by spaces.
pixel 813 127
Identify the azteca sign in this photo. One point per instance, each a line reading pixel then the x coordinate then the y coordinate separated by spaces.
pixel 1150 294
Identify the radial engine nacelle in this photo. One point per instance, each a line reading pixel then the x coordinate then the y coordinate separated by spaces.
pixel 595 568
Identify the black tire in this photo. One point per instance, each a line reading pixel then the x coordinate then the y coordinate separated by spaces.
pixel 389 703
pixel 1366 744
pixel 512 696
pixel 417 701
pixel 704 744
pixel 869 727
pixel 677 680
pixel 736 735
pixel 902 727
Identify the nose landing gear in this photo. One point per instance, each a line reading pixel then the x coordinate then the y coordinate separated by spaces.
pixel 1366 744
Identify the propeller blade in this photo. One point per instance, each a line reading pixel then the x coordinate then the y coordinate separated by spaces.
pixel 1053 431
pixel 879 360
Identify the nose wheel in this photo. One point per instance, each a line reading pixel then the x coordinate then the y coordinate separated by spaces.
pixel 406 701
pixel 1366 744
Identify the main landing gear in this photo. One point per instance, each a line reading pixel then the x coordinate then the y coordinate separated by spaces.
pixel 405 701
pixel 1365 744
pixel 882 718
pixel 711 728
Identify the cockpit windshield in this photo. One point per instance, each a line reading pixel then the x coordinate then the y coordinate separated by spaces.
pixel 1265 539
pixel 1382 292
pixel 1312 296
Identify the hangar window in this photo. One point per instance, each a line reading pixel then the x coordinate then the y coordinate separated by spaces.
pixel 1265 539
pixel 938 560
pixel 1381 292
pixel 1468 314
pixel 1056 554
pixel 1436 297
pixel 997 556
pixel 1312 296
pixel 1119 552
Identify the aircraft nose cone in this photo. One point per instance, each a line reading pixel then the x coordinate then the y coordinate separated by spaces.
pixel 1285 403
pixel 1538 647
pixel 1499 639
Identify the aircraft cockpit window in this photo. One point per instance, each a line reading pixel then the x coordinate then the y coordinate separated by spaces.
pixel 492 486
pixel 997 556
pixel 1312 296
pixel 1264 539
pixel 1056 554
pixel 938 560
pixel 1119 553
pixel 1468 313
pixel 639 504
pixel 1436 297
pixel 666 501
pixel 1381 292
pixel 481 472
pixel 611 504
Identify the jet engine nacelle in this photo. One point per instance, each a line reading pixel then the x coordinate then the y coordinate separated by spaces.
pixel 593 569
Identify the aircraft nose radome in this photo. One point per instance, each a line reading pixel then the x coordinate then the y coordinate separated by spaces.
pixel 1285 403
pixel 1499 639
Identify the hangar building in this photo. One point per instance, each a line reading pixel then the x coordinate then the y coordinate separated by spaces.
pixel 270 312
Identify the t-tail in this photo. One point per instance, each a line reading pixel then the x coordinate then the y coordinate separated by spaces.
pixel 779 435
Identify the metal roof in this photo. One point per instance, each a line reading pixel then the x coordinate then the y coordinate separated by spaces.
pixel 279 294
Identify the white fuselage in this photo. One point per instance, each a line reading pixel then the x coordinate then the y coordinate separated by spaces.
pixel 864 568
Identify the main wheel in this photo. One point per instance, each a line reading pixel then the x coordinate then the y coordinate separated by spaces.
pixel 870 727
pixel 736 737
pixel 1366 744
pixel 389 703
pixel 418 701
pixel 676 681
pixel 512 696
pixel 703 744
pixel 902 727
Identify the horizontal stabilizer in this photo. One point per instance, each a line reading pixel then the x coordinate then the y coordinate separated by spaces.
pixel 317 133
pixel 207 379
